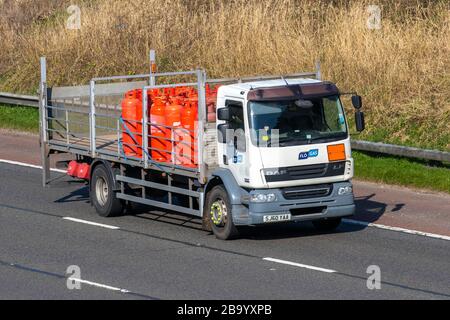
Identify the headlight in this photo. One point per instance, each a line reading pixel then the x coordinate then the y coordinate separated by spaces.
pixel 260 197
pixel 343 191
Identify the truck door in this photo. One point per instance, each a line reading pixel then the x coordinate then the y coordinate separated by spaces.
pixel 235 150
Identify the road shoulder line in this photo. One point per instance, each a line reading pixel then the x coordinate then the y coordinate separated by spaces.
pixel 397 229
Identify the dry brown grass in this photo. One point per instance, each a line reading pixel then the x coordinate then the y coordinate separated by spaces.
pixel 401 70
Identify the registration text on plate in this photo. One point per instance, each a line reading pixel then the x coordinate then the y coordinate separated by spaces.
pixel 277 218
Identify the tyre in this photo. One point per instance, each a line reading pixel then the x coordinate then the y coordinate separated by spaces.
pixel 330 224
pixel 102 193
pixel 218 212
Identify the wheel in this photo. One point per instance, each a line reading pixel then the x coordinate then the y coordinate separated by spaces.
pixel 103 197
pixel 330 224
pixel 218 211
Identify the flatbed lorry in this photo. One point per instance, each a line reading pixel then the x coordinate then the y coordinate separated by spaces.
pixel 277 149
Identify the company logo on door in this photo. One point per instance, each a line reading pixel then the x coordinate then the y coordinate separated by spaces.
pixel 310 154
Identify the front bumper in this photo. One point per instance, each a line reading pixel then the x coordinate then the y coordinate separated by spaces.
pixel 309 209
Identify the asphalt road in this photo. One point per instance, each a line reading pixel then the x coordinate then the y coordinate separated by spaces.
pixel 166 256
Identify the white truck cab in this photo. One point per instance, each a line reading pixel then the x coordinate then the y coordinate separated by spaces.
pixel 284 153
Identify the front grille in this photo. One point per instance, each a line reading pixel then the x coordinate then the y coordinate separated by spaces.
pixel 305 192
pixel 307 211
pixel 308 172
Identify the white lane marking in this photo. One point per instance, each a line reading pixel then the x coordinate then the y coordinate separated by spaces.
pixel 398 229
pixel 22 164
pixel 99 285
pixel 91 223
pixel 295 264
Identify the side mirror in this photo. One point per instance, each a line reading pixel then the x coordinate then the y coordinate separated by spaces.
pixel 359 121
pixel 357 102
pixel 224 114
pixel 222 132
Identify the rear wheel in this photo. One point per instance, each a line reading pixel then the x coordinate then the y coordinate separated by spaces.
pixel 103 195
pixel 218 212
pixel 330 224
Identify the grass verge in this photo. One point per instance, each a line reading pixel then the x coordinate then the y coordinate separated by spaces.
pixel 401 171
pixel 19 118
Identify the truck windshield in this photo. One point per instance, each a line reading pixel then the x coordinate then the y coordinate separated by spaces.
pixel 297 122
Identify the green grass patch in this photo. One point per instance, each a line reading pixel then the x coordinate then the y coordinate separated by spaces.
pixel 402 171
pixel 19 118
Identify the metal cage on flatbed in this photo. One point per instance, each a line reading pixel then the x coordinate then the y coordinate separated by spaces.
pixel 87 121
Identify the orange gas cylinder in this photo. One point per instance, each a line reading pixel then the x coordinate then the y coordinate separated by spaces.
pixel 158 131
pixel 189 115
pixel 173 120
pixel 170 92
pixel 191 92
pixel 72 168
pixel 131 128
pixel 193 99
pixel 84 171
pixel 186 148
pixel 181 91
pixel 152 94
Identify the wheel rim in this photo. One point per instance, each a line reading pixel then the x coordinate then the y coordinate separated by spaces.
pixel 219 213
pixel 101 191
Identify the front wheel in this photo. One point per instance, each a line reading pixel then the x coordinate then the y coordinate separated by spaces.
pixel 219 213
pixel 330 224
pixel 102 193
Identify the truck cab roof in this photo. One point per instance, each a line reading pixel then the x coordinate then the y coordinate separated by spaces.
pixel 280 89
pixel 247 86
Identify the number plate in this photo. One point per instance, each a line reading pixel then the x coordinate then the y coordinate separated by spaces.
pixel 277 218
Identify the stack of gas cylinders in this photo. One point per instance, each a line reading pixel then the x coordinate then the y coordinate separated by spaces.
pixel 173 116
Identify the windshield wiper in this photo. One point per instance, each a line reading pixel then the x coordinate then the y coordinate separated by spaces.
pixel 290 140
pixel 330 137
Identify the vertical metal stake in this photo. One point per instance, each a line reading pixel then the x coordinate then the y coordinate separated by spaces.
pixel 202 112
pixel 152 81
pixel 145 127
pixel 92 117
pixel 318 71
pixel 45 157
pixel 118 139
pixel 191 202
pixel 67 128
pixel 144 193
pixel 169 184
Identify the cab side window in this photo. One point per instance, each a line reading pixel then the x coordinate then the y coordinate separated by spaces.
pixel 237 121
pixel 237 124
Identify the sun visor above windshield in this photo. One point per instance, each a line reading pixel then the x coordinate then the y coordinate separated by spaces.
pixel 293 92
